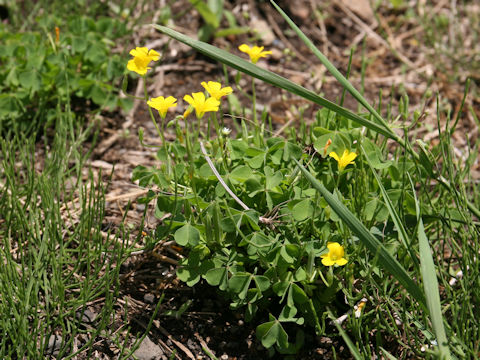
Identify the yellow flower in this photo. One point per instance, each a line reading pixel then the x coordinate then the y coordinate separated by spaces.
pixel 215 89
pixel 141 58
pixel 335 255
pixel 202 105
pixel 255 52
pixel 346 159
pixel 162 104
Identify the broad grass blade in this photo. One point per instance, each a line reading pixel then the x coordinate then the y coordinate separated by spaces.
pixel 430 284
pixel 387 261
pixel 272 78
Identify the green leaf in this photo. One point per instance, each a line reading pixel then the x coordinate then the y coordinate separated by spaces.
pixel 289 253
pixel 96 54
pixel 430 284
pixel 189 276
pixel 288 313
pixel 300 274
pixel 217 277
pixel 9 106
pixel 259 244
pixel 262 282
pixel 232 31
pixel 302 210
pixel 272 179
pixel 271 333
pixel 339 142
pixel 292 150
pixel 369 209
pixel 280 288
pixel 29 79
pixel 79 44
pixel 187 234
pixel 374 155
pixel 241 173
pixel 256 162
pixel 98 95
pixel 239 284
pixel 299 296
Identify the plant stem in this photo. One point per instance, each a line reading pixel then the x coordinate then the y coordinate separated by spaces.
pixel 162 136
pixel 254 105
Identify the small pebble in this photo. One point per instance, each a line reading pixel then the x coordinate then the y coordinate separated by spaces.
pixel 87 316
pixel 54 343
pixel 149 298
pixel 148 350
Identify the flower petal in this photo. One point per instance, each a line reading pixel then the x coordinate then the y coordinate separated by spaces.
pixel 244 48
pixel 351 157
pixel 188 99
pixel 327 261
pixel 334 155
pixel 154 55
pixel 199 98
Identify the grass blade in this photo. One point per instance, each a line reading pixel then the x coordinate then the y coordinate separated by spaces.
pixel 402 233
pixel 387 354
pixel 387 261
pixel 274 79
pixel 430 284
pixel 332 69
pixel 353 350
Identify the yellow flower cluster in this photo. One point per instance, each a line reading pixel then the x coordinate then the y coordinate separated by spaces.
pixel 202 104
pixel 142 57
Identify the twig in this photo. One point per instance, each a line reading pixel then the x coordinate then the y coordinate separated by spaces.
pixel 165 258
pixel 262 219
pixel 212 167
pixel 205 347
pixel 129 195
pixel 177 343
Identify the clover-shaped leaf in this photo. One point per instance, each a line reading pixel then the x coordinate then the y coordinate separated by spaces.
pixel 271 333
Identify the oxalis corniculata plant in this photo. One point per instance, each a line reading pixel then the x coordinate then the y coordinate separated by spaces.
pixel 295 230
